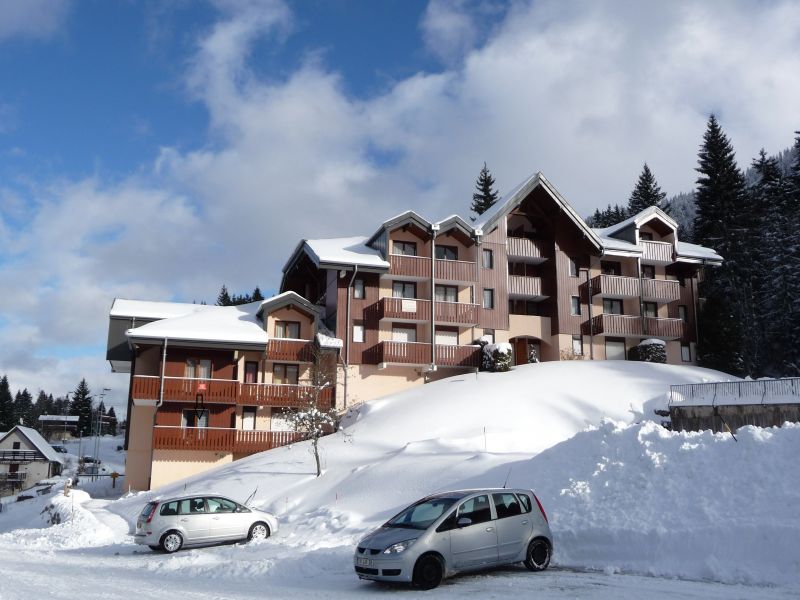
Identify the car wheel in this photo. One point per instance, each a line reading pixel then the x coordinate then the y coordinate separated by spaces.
pixel 428 572
pixel 258 531
pixel 171 542
pixel 538 556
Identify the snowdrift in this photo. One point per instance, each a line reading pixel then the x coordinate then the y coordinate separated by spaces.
pixel 621 497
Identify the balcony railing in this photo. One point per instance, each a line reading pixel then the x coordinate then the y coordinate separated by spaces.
pixel 418 353
pixel 290 350
pixel 455 270
pixel 409 309
pixel 18 456
pixel 633 326
pixel 523 248
pixel 527 287
pixel 226 391
pixel 220 439
pixel 615 286
pixel 17 477
pixel 661 290
pixel 657 252
pixel 418 267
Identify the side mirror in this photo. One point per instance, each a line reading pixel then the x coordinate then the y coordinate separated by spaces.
pixel 464 522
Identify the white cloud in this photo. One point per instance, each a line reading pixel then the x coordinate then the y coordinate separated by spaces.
pixel 32 18
pixel 584 91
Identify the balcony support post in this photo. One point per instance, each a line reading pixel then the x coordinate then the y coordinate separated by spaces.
pixel 641 294
pixel 434 229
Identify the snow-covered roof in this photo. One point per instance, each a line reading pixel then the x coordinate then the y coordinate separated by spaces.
pixel 616 244
pixel 222 324
pixel 336 252
pixel 145 309
pixel 38 442
pixel 285 299
pixel 693 251
pixel 640 219
pixel 327 341
pixel 60 418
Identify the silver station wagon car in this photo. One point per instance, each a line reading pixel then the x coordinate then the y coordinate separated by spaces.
pixel 451 532
pixel 174 523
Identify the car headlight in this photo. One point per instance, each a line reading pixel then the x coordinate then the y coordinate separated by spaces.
pixel 399 547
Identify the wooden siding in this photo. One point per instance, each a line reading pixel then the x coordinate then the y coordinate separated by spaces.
pixel 524 248
pixel 660 290
pixel 495 279
pixel 283 350
pixel 455 270
pixel 615 286
pixel 417 267
pixel 656 252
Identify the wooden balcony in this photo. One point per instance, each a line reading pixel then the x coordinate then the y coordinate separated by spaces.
pixel 18 477
pixel 524 249
pixel 661 290
pixel 418 353
pixel 456 270
pixel 17 457
pixel 226 391
pixel 524 287
pixel 615 286
pixel 412 310
pixel 221 440
pixel 656 253
pixel 410 267
pixel 633 326
pixel 285 350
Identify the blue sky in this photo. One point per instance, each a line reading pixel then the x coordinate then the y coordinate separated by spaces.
pixel 157 150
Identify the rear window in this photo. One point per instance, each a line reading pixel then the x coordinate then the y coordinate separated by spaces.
pixel 148 508
pixel 169 509
pixel 525 500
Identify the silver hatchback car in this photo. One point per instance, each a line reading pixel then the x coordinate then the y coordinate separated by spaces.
pixel 447 533
pixel 171 524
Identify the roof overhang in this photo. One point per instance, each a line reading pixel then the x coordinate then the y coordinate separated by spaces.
pixel 196 343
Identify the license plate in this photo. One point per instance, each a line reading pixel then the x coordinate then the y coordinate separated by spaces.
pixel 364 562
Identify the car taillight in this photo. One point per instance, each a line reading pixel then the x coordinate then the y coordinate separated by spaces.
pixel 155 506
pixel 541 508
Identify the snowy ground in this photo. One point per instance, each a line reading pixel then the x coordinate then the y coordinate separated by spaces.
pixel 636 511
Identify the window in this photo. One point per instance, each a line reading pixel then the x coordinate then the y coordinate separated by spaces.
pixel 447 252
pixel 488 299
pixel 285 374
pixel 194 418
pixel 358 333
pixel 645 236
pixel 221 505
pixel 198 368
pixel 192 506
pixel 287 330
pixel 405 248
pixel 525 500
pixel 488 259
pixel 573 266
pixel 575 305
pixel 610 267
pixel 683 313
pixel 446 293
pixel 650 309
pixel 250 372
pixel 648 272
pixel 490 334
pixel 476 509
pixel 686 353
pixel 358 288
pixel 612 306
pixel 404 289
pixel 506 505
pixel 615 349
pixel 577 345
pixel 248 418
pixel 404 334
pixel 169 509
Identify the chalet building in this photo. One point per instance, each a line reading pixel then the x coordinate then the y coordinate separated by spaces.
pixel 395 309
pixel 25 459
pixel 59 427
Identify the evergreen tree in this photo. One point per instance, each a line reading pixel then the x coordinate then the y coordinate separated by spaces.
pixel 485 195
pixel 99 418
pixel 223 299
pixel 257 295
pixel 111 423
pixel 646 193
pixel 607 217
pixel 6 406
pixel 23 409
pixel 719 223
pixel 790 268
pixel 81 406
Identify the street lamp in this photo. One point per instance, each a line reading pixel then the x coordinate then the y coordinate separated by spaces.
pixel 99 431
pixel 66 410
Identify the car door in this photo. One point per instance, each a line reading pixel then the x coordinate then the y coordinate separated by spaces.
pixel 193 518
pixel 474 544
pixel 225 523
pixel 513 526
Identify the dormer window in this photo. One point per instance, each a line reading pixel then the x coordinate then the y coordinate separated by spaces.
pixel 404 248
pixel 287 330
pixel 645 236
pixel 447 252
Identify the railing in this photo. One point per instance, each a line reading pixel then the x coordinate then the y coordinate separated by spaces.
pixel 762 391
pixel 658 252
pixel 419 353
pixel 461 313
pixel 523 248
pixel 290 350
pixel 410 266
pixel 455 270
pixel 662 290
pixel 18 456
pixel 226 391
pixel 615 285
pixel 524 286
pixel 458 356
pixel 220 439
pixel 633 326
pixel 17 477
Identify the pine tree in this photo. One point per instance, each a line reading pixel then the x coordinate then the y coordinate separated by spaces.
pixel 81 406
pixel 646 193
pixel 99 418
pixel 223 299
pixel 790 268
pixel 23 409
pixel 485 196
pixel 719 224
pixel 111 422
pixel 257 295
pixel 6 405
pixel 607 217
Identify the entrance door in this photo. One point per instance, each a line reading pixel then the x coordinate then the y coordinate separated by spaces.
pixel 250 372
pixel 249 418
pixel 615 349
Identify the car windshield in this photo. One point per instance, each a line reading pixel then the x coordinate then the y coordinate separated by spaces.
pixel 422 514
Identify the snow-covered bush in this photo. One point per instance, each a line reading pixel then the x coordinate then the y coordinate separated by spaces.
pixel 649 350
pixel 570 355
pixel 533 355
pixel 494 357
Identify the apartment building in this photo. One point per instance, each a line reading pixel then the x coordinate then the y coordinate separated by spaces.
pixel 410 300
pixel 393 310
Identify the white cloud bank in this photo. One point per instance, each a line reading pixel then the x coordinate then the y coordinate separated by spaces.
pixel 583 91
pixel 32 18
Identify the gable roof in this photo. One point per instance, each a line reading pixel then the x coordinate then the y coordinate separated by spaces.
pixel 640 218
pixel 289 298
pixel 335 253
pixel 146 309
pixel 37 441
